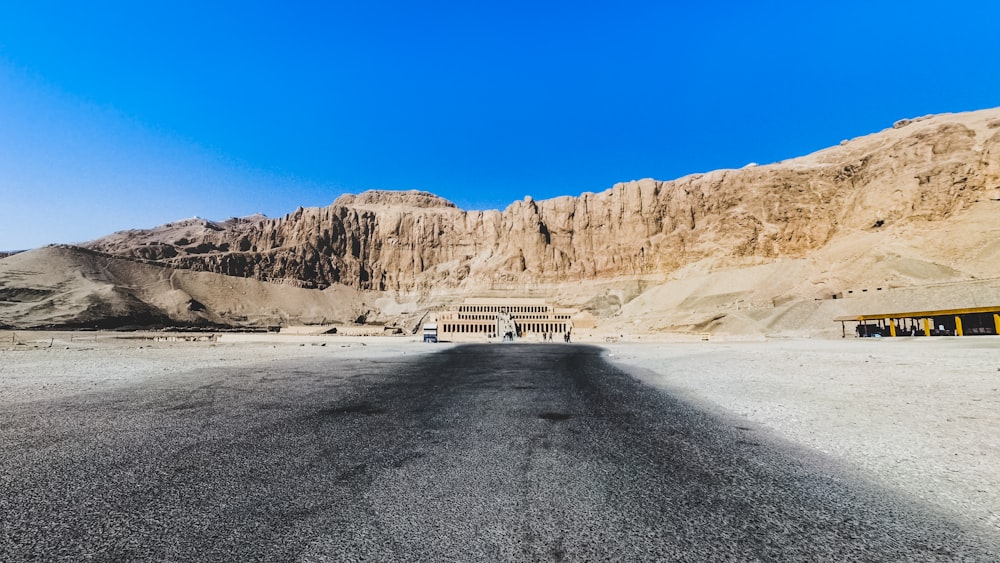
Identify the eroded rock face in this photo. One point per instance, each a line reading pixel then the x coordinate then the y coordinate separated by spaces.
pixel 919 171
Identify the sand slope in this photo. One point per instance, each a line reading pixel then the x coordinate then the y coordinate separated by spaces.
pixel 72 287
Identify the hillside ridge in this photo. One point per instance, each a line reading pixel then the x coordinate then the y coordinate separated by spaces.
pixel 905 217
pixel 926 169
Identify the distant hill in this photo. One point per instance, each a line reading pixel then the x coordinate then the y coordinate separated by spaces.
pixel 755 250
pixel 70 287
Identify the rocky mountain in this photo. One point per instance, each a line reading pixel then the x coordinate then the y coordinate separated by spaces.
pixel 920 171
pixel 761 249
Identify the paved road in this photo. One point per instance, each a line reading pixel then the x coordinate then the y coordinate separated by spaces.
pixel 476 453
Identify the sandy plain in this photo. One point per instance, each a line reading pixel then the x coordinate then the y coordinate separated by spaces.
pixel 919 416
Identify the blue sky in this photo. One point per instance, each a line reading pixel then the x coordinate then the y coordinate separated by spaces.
pixel 118 115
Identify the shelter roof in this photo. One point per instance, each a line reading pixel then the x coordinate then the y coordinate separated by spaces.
pixel 918 314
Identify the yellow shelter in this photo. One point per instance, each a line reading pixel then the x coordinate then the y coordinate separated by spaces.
pixel 943 322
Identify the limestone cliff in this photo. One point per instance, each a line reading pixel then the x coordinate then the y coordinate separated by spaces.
pixel 921 170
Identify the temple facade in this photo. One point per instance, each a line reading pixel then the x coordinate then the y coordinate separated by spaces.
pixel 497 317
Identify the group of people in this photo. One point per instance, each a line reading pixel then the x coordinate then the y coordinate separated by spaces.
pixel 547 337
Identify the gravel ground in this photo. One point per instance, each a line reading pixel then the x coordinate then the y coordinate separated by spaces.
pixel 921 416
pixel 384 452
pixel 50 364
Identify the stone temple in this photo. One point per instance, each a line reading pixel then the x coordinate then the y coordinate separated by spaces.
pixel 530 318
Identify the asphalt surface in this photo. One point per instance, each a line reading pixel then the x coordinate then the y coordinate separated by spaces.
pixel 476 453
